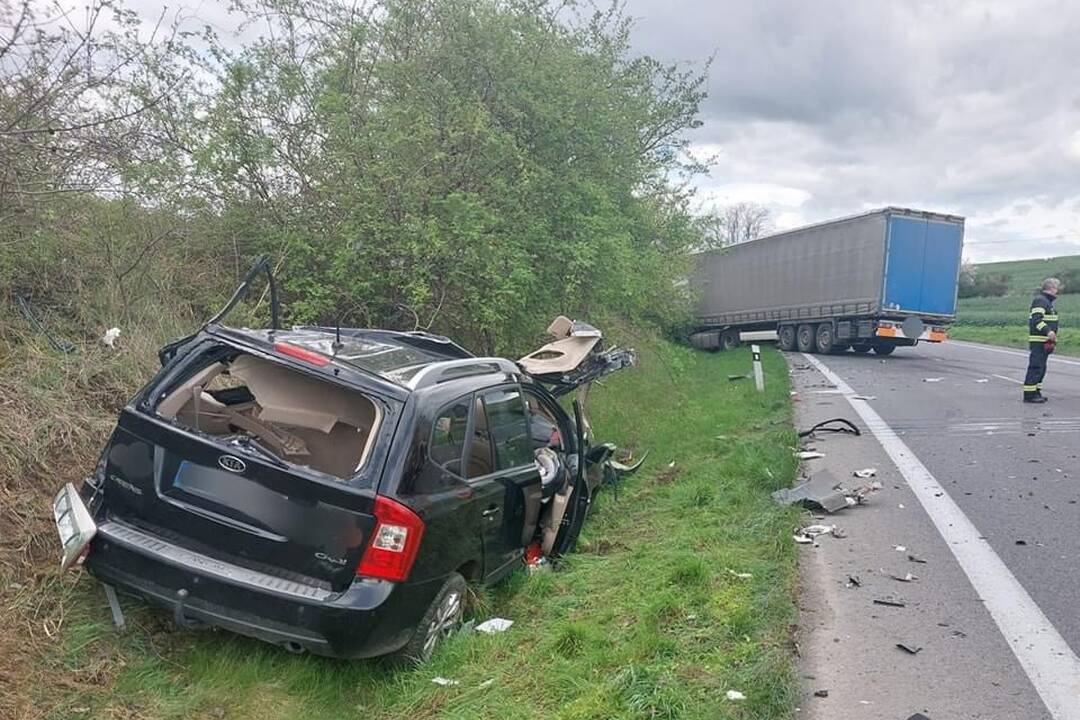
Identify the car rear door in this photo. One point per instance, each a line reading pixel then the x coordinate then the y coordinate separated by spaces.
pixel 501 467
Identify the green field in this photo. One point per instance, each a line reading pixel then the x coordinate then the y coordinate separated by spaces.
pixel 646 620
pixel 1003 320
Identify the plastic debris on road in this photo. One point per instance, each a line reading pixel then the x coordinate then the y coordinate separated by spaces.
pixel 865 473
pixel 821 693
pixel 820 492
pixel 809 455
pixel 916 559
pixel 889 603
pixel 735 695
pixel 983 380
pixel 899 548
pixel 932 379
pixel 815 530
pixel 910 649
pixel 905 578
pixel 864 397
pixel 494 625
pixel 802 539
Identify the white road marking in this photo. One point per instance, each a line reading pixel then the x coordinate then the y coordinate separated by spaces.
pixel 1004 351
pixel 1048 661
pixel 1012 380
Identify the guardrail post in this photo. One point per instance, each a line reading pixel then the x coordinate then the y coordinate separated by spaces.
pixel 759 376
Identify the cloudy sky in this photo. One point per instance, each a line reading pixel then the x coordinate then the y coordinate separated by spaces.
pixel 826 108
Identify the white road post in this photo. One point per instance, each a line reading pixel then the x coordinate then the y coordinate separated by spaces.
pixel 759 376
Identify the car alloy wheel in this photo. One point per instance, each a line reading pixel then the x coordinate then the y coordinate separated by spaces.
pixel 446 620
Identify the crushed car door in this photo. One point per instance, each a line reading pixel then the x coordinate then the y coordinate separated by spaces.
pixel 501 466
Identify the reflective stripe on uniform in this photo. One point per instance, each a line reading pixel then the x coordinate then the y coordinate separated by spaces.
pixel 1050 318
pixel 1037 338
pixel 1038 311
pixel 1040 325
pixel 1031 388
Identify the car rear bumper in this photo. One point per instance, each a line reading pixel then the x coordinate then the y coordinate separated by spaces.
pixel 369 618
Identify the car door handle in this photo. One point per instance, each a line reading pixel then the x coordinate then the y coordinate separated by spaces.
pixel 490 512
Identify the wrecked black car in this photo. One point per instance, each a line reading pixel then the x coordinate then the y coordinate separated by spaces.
pixel 332 490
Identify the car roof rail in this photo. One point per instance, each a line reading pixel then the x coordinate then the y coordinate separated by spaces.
pixel 453 369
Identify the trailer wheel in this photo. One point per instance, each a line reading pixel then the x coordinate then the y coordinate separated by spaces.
pixel 825 339
pixel 884 349
pixel 804 339
pixel 786 337
pixel 729 340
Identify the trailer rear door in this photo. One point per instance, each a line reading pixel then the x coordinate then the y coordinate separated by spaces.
pixel 922 264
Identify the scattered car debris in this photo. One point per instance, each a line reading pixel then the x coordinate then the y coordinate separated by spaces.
pixel 815 530
pixel 901 506
pixel 114 608
pixel 905 578
pixel 1021 542
pixel 444 682
pixel 983 380
pixel 853 581
pixel 110 337
pixel 739 575
pixel 899 548
pixel 933 379
pixel 494 625
pixel 735 695
pixel 865 473
pixel 864 397
pixel 918 716
pixel 487 683
pixel 809 455
pixel 802 539
pixel 58 344
pixel 916 559
pixel 821 693
pixel 846 426
pixel 889 603
pixel 820 492
pixel 910 649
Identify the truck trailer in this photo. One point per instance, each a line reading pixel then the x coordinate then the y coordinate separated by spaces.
pixel 876 281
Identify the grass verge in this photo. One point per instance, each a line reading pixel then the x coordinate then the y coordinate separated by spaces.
pixel 646 620
pixel 1003 321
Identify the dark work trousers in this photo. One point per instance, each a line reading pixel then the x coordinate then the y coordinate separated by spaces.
pixel 1036 371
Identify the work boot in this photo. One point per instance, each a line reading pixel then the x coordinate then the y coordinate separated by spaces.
pixel 1034 398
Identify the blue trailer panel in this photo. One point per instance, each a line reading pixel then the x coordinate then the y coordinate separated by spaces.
pixel 922 264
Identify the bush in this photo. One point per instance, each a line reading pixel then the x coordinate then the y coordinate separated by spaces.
pixel 976 284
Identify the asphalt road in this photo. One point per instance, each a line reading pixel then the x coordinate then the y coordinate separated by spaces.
pixel 983 487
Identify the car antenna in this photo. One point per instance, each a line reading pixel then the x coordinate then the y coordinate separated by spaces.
pixel 337 335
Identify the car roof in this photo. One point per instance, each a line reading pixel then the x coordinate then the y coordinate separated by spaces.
pixel 409 360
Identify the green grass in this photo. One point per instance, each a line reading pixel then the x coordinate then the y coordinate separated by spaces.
pixel 643 621
pixel 1025 276
pixel 1003 321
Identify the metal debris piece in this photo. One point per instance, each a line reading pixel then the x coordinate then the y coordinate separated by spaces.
pixel 865 473
pixel 853 581
pixel 905 578
pixel 818 493
pixel 802 539
pixel 821 693
pixel 809 455
pixel 889 603
pixel 114 607
pixel 916 559
pixel 911 649
pixel 864 397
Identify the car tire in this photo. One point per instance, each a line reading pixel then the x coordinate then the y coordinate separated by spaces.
pixel 729 340
pixel 785 337
pixel 804 339
pixel 884 349
pixel 861 349
pixel 440 620
pixel 825 338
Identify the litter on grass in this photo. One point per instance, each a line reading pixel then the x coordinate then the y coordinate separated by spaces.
pixel 735 695
pixel 110 337
pixel 445 682
pixel 865 473
pixel 494 625
pixel 741 576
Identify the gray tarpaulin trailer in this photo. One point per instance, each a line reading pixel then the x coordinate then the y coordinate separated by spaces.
pixel 875 281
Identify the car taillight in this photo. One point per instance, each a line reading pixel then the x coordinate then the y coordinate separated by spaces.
pixel 308 356
pixel 394 542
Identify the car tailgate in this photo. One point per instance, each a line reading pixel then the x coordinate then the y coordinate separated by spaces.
pixel 234 505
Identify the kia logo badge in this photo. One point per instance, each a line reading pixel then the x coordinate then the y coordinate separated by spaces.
pixel 232 463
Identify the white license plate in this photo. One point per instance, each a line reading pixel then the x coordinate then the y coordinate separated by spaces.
pixel 74 524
